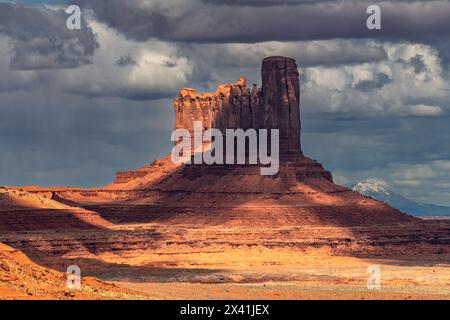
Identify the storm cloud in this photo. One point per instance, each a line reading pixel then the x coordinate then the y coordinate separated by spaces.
pixel 200 21
pixel 41 39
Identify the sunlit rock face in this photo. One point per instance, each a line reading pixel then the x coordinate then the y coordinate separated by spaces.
pixel 301 193
pixel 235 106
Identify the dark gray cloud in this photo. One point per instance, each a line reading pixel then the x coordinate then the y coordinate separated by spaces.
pixel 381 79
pixel 197 21
pixel 83 143
pixel 307 53
pixel 443 47
pixel 125 61
pixel 416 63
pixel 258 3
pixel 41 39
pixel 397 150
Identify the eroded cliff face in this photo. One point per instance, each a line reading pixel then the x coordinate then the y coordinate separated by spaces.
pixel 169 223
pixel 166 216
pixel 235 106
pixel 281 100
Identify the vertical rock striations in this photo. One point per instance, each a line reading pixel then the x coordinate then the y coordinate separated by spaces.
pixel 281 100
pixel 276 105
pixel 230 107
pixel 233 106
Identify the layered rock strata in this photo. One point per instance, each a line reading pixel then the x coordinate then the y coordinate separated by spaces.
pixel 140 226
pixel 236 106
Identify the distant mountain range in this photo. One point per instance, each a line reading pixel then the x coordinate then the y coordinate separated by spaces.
pixel 377 190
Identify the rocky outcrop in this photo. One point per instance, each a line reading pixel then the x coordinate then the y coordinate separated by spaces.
pixel 159 222
pixel 276 105
pixel 236 106
pixel 281 99
pixel 301 193
pixel 23 279
pixel 230 107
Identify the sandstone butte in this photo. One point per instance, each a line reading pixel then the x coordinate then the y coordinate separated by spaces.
pixel 153 219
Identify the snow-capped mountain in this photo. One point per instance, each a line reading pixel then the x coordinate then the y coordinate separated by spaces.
pixel 378 190
pixel 371 186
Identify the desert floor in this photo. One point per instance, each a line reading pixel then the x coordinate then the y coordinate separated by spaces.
pixel 177 269
pixel 166 260
pixel 260 273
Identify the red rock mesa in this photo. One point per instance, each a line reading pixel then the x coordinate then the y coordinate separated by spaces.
pixel 302 193
pixel 213 210
pixel 234 106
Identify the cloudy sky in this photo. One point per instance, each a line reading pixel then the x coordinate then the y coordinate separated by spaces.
pixel 78 105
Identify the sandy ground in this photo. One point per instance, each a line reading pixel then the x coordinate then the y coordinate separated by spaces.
pixel 233 273
pixel 261 273
pixel 192 262
pixel 23 279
